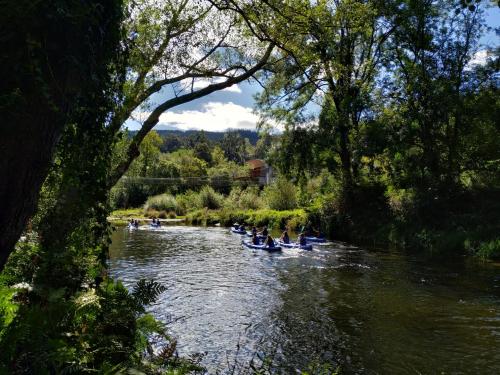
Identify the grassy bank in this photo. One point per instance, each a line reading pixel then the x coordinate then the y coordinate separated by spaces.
pixel 122 216
pixel 465 222
pixel 293 219
pixel 451 225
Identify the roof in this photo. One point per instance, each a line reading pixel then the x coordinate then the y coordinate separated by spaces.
pixel 256 163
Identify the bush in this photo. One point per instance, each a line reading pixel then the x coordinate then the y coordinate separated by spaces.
pixel 401 201
pixel 163 202
pixel 250 199
pixel 247 199
pixel 187 202
pixel 281 195
pixel 317 186
pixel 152 213
pixel 292 219
pixel 208 198
pixel 489 250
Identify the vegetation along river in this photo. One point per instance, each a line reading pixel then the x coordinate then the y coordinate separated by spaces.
pixel 371 312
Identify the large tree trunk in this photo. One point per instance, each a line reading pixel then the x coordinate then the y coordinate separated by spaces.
pixel 345 156
pixel 53 56
pixel 26 151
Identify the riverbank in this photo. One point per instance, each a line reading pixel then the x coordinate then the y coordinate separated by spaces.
pixel 467 223
pixel 123 216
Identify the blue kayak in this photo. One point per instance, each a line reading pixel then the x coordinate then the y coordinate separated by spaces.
pixel 294 245
pixel 260 247
pixel 259 236
pixel 238 231
pixel 315 239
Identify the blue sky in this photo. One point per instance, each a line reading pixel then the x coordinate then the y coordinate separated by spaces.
pixel 233 107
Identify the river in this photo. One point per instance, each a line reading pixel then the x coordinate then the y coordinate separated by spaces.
pixel 367 311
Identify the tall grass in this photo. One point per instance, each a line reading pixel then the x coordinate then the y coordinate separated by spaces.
pixel 209 198
pixel 281 195
pixel 163 202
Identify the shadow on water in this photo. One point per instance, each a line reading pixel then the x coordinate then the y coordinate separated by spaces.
pixel 374 312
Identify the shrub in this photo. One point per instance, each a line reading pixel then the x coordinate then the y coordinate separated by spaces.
pixel 208 198
pixel 187 202
pixel 489 250
pixel 163 202
pixel 151 213
pixel 233 199
pixel 317 186
pixel 247 199
pixel 250 199
pixel 401 201
pixel 281 195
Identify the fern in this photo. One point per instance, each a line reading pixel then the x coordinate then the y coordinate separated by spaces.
pixel 147 291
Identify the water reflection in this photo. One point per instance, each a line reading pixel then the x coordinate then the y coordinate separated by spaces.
pixel 369 312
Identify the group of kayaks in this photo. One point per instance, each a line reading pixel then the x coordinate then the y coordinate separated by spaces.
pixel 134 224
pixel 278 243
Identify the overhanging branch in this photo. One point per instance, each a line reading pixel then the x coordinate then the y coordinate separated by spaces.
pixel 154 117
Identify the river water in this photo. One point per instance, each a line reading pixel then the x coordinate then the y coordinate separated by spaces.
pixel 369 312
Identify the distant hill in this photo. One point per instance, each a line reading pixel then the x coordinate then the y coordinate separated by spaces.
pixel 252 135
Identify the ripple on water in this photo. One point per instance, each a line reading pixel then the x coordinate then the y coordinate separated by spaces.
pixel 370 312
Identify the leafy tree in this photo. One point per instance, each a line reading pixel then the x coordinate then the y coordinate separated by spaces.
pixel 202 151
pixel 172 143
pixel 429 55
pixel 329 55
pixel 51 79
pixel 162 38
pixel 234 147
pixel 158 42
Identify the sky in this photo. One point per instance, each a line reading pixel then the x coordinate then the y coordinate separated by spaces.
pixel 233 107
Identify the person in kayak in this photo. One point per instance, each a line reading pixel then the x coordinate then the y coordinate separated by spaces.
pixel 255 239
pixel 158 223
pixel 284 237
pixel 302 239
pixel 269 242
pixel 264 232
pixel 254 230
pixel 136 223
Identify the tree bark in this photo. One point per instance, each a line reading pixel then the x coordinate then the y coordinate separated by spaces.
pixel 52 56
pixel 26 151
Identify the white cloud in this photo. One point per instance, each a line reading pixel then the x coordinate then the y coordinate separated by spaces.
pixel 234 88
pixel 479 58
pixel 214 116
pixel 201 83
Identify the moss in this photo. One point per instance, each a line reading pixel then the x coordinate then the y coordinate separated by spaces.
pixel 8 308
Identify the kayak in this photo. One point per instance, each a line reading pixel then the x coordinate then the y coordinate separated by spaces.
pixel 238 231
pixel 315 239
pixel 259 236
pixel 294 245
pixel 260 247
pixel 155 226
pixel 132 227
